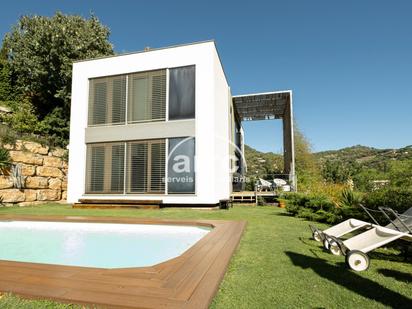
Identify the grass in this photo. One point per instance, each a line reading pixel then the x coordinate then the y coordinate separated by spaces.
pixel 276 265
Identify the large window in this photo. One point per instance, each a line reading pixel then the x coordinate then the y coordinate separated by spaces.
pixel 181 165
pixel 105 168
pixel 147 96
pixel 143 95
pixel 182 93
pixel 107 100
pixel 146 166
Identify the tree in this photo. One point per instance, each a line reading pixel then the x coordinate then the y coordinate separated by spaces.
pixel 307 168
pixel 40 51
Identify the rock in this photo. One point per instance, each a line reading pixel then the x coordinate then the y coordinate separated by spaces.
pixel 36 183
pixel 22 204
pixel 5 182
pixel 26 157
pixel 55 183
pixel 49 171
pixel 48 195
pixel 8 146
pixel 31 195
pixel 64 195
pixel 28 170
pixel 58 152
pixel 12 196
pixel 64 184
pixel 65 165
pixel 34 147
pixel 52 161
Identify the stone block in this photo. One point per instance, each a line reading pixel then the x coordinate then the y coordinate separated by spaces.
pixel 52 161
pixel 58 152
pixel 49 171
pixel 28 170
pixel 48 195
pixel 36 182
pixel 6 182
pixel 34 147
pixel 55 183
pixel 31 195
pixel 26 157
pixel 12 196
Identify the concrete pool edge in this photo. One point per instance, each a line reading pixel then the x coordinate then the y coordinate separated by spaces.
pixel 190 280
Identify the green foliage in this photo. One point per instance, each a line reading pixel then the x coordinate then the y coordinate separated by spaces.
pixel 5 160
pixel 7 136
pixel 350 198
pixel 399 199
pixel 40 52
pixel 322 208
pixel 307 167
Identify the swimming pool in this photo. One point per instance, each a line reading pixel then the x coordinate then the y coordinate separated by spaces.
pixel 99 245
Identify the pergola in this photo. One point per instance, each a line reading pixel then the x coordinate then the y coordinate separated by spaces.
pixel 268 106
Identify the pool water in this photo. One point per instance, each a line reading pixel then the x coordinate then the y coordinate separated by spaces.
pixel 102 245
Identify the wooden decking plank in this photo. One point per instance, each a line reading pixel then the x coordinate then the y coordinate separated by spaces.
pixel 115 300
pixel 208 286
pixel 185 288
pixel 87 285
pixel 209 248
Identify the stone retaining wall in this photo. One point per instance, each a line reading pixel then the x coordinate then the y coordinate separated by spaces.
pixel 44 172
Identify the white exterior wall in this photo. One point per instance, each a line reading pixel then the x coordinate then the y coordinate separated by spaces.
pixel 222 131
pixel 211 118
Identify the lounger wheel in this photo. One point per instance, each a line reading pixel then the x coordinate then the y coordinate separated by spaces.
pixel 334 248
pixel 326 243
pixel 316 236
pixel 357 260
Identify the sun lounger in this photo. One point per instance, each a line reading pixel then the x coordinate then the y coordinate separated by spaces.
pixel 345 227
pixel 356 248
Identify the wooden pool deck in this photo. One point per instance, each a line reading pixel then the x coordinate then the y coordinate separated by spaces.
pixel 188 281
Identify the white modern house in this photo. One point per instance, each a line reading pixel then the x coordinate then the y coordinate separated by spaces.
pixel 162 125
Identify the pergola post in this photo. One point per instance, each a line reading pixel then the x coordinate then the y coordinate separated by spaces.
pixel 288 144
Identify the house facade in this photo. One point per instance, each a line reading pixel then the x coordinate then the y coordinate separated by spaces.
pixel 154 125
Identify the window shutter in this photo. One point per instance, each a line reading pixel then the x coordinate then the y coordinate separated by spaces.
pixel 146 166
pixel 157 168
pixel 105 168
pixel 107 100
pixel 147 96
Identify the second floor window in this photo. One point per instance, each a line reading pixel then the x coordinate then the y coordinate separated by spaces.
pixel 141 97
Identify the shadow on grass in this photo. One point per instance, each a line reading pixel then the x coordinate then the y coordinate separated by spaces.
pixel 351 281
pixel 398 275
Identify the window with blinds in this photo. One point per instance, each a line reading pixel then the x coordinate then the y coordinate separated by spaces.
pixel 107 100
pixel 105 168
pixel 147 96
pixel 146 166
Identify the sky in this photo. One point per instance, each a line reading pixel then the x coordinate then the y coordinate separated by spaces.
pixel 348 63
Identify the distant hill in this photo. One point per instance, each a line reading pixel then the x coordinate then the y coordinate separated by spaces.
pixel 368 157
pixel 260 163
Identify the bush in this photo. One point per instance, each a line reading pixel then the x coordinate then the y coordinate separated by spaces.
pixel 5 160
pixel 399 199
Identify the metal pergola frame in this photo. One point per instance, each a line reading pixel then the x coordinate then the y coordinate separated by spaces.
pixel 268 106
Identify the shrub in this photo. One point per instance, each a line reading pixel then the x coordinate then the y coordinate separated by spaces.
pixel 5 160
pixel 399 199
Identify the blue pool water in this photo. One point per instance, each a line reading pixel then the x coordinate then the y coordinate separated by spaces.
pixel 103 245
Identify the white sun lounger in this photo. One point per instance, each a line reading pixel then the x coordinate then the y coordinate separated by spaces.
pixel 345 227
pixel 356 248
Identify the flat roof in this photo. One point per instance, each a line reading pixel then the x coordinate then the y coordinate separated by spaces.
pixel 262 106
pixel 150 49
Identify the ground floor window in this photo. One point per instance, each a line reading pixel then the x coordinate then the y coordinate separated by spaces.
pixel 141 167
pixel 105 168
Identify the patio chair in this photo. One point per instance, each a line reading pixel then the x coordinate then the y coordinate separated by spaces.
pixel 343 228
pixel 356 248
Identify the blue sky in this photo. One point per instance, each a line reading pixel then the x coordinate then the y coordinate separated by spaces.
pixel 349 63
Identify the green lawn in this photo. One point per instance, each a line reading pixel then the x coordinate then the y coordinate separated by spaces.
pixel 276 265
